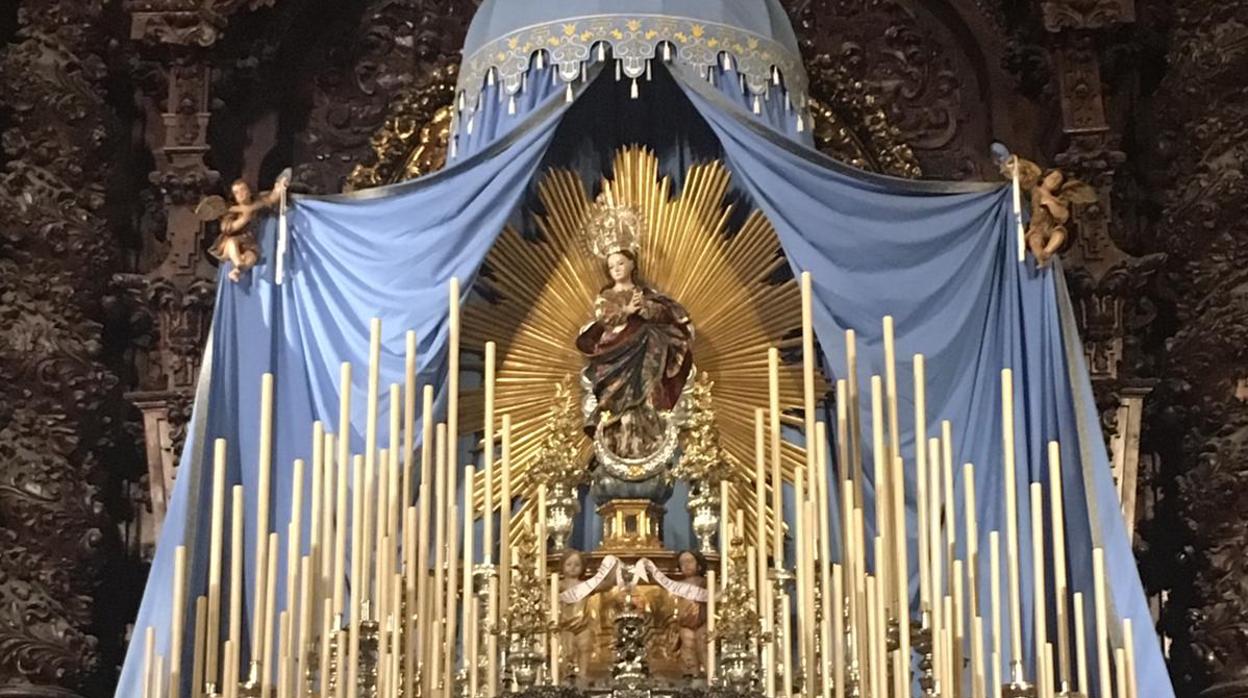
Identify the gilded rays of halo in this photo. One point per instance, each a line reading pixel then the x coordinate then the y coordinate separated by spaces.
pixel 542 293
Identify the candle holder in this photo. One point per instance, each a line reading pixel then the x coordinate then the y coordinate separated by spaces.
pixel 250 688
pixel 1018 686
pixel 481 575
pixel 330 676
pixel 892 636
pixel 737 626
pixel 366 679
pixel 1069 693
pixel 853 672
pixel 630 672
pixel 525 664
pixel 922 638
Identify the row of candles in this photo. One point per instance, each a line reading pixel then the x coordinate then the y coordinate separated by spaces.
pixel 855 625
pixel 405 514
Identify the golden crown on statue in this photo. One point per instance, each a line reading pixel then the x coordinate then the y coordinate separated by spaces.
pixel 614 227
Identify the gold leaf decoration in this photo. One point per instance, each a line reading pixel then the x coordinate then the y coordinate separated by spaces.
pixel 541 293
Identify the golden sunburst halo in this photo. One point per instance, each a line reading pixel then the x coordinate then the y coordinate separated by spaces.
pixel 540 292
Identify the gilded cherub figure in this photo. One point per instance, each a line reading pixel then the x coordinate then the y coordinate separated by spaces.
pixel 576 631
pixel 1052 194
pixel 236 243
pixel 691 617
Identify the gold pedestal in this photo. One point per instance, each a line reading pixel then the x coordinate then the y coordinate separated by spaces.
pixel 631 526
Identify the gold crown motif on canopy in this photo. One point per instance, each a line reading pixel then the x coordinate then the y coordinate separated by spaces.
pixel 541 292
pixel 614 227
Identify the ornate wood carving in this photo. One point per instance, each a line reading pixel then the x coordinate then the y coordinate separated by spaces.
pixel 1197 145
pixel 416 135
pixel 852 126
pixel 924 80
pixel 60 405
pixel 367 69
pixel 1105 281
pixel 169 307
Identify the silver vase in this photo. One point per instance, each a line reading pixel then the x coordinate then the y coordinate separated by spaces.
pixel 704 510
pixel 738 667
pixel 526 664
pixel 562 506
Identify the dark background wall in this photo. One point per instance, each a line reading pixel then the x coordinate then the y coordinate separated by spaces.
pixel 118 116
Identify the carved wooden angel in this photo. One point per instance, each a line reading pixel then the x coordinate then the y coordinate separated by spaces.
pixel 236 242
pixel 1051 194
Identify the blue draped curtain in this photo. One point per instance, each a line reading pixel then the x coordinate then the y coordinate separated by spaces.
pixel 939 257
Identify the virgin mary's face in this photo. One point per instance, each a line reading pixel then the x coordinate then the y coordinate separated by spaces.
pixel 620 267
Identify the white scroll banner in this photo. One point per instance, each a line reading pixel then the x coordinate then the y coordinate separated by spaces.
pixel 642 571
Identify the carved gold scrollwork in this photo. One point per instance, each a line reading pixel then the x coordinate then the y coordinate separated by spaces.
pixel 414 139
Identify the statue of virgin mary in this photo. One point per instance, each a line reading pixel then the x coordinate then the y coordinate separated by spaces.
pixel 639 355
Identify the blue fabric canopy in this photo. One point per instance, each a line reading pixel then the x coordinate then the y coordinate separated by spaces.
pixel 940 258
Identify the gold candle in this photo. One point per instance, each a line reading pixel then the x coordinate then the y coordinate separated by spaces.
pixel 935 574
pixel 553 638
pixel 972 538
pixel 880 490
pixel 487 457
pixel 1102 620
pixel 777 502
pixel 902 569
pixel 760 497
pixel 422 532
pixel 468 598
pixel 920 464
pixel 409 417
pixel 1040 618
pixel 1011 518
pixel 301 639
pixel 149 660
pixel 452 597
pixel 871 670
pixel 800 576
pixel 808 364
pixel 837 643
pixel 177 621
pixel 854 415
pixel 270 603
pixel 214 560
pixel 1120 671
pixel 504 516
pixel 710 626
pixel 994 567
pixel 236 578
pixel 825 552
pixel 1059 563
pixel 440 540
pixel 1081 645
pixel 200 629
pixel 1128 646
pixel 344 414
pixel 294 530
pixel 343 516
pixel 317 510
pixel 786 625
pixel 265 472
pixel 890 387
